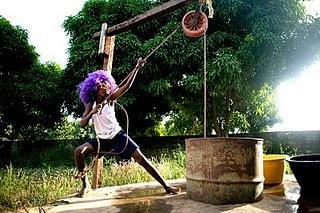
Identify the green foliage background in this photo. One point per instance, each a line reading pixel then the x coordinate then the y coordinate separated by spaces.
pixel 251 47
pixel 30 94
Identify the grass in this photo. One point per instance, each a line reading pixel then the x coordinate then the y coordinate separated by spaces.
pixel 32 187
pixel 287 169
pixel 170 167
pixel 35 187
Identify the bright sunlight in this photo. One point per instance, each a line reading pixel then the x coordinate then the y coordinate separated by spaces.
pixel 298 98
pixel 298 101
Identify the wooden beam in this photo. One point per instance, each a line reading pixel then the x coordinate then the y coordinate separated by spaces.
pixel 146 16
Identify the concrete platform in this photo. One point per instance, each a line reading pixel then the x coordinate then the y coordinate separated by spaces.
pixel 150 197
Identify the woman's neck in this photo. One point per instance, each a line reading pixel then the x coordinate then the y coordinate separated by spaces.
pixel 100 99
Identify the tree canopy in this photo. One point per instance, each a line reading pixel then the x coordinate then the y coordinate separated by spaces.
pixel 251 47
pixel 30 96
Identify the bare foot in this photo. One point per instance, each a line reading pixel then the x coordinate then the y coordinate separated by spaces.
pixel 83 191
pixel 172 190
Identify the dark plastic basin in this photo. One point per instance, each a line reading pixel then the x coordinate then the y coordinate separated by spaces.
pixel 306 169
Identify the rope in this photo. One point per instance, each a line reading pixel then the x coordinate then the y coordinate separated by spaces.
pixel 210 8
pixel 91 165
pixel 204 85
pixel 208 4
pixel 127 132
pixel 156 48
pixel 82 174
pixel 152 51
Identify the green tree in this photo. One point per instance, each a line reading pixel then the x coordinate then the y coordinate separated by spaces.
pixel 251 45
pixel 147 100
pixel 69 128
pixel 259 115
pixel 30 96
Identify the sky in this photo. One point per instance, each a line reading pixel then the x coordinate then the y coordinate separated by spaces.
pixel 297 99
pixel 43 20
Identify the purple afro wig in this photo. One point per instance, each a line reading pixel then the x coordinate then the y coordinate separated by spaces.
pixel 88 88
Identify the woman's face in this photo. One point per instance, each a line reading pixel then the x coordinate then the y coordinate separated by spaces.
pixel 103 88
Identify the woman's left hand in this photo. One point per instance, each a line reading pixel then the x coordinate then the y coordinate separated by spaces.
pixel 140 63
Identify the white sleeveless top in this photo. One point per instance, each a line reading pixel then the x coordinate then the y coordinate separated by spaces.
pixel 105 123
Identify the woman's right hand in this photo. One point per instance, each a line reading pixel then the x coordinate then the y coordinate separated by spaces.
pixel 96 109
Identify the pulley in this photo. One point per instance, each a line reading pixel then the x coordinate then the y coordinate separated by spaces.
pixel 194 23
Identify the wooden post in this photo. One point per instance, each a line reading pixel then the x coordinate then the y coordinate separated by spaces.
pixel 97 173
pixel 107 65
pixel 108 53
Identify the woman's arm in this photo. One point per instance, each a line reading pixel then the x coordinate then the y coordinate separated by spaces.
pixel 129 82
pixel 88 112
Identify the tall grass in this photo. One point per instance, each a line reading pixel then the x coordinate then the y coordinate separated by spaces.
pixel 171 165
pixel 31 187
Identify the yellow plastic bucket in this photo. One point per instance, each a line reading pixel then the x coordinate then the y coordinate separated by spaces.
pixel 273 168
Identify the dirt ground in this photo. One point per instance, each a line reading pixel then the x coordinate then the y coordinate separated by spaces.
pixel 150 197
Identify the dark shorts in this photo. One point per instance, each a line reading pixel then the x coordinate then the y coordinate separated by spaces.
pixel 116 146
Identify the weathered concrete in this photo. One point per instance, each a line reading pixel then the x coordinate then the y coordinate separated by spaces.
pixel 150 197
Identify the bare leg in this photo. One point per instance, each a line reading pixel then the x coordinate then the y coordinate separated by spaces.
pixel 79 156
pixel 145 163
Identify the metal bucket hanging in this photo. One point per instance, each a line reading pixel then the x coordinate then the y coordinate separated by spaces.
pixel 194 23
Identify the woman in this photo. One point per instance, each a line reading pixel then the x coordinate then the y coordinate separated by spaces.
pixel 97 92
